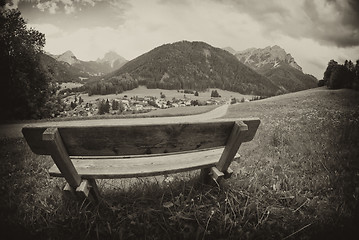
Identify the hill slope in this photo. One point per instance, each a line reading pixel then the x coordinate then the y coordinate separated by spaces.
pixel 279 66
pixel 193 65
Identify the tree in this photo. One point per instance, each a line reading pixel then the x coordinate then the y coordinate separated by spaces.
pixel 107 106
pixel 328 72
pixel 214 93
pixel 356 77
pixel 103 107
pixel 73 105
pixel 340 76
pixel 115 105
pixel 121 107
pixel 24 82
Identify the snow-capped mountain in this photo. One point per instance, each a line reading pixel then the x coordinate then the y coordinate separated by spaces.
pixel 266 58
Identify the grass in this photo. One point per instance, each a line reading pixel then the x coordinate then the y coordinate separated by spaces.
pixel 297 179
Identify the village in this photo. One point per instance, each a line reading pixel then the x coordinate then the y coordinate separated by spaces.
pixel 76 106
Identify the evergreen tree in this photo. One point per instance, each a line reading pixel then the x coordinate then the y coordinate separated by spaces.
pixel 101 107
pixel 107 106
pixel 328 72
pixel 356 76
pixel 115 105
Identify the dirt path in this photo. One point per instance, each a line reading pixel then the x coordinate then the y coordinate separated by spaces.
pixel 14 130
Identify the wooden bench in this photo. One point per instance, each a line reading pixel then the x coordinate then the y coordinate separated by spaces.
pixel 94 150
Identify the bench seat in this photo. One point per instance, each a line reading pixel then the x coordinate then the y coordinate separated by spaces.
pixel 101 167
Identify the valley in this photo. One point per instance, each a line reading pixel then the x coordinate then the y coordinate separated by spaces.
pixel 144 100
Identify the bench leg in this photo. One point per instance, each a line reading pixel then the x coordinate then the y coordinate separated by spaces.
pixel 94 189
pixel 88 190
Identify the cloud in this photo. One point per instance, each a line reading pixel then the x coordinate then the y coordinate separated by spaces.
pixel 66 6
pixel 48 29
pixel 330 22
pixel 50 6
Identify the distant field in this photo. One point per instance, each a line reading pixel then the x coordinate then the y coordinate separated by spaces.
pixel 143 91
pixel 69 85
pixel 180 111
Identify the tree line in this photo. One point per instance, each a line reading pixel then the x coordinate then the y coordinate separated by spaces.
pixel 116 84
pixel 338 76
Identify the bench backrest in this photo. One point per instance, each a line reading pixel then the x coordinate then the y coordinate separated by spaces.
pixel 126 139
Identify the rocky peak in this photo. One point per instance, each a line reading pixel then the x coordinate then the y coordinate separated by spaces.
pixel 68 57
pixel 112 58
pixel 268 57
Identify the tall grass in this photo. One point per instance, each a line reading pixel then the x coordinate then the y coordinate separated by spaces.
pixel 298 179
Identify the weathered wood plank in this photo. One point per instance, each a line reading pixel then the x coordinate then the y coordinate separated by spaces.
pixel 142 167
pixel 238 135
pixel 116 140
pixel 55 146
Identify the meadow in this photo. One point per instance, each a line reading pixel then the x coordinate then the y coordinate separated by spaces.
pixel 297 179
pixel 143 91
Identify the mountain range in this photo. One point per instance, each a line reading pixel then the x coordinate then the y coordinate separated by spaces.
pixel 192 65
pixel 188 65
pixel 110 62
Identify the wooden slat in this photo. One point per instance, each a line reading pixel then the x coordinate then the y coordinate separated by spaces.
pixel 238 135
pixel 59 154
pixel 142 167
pixel 125 139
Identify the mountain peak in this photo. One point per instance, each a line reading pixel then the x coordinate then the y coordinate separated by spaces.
pixel 266 58
pixel 68 57
pixel 230 50
pixel 112 58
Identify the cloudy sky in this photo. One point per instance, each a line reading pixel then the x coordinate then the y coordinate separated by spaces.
pixel 313 31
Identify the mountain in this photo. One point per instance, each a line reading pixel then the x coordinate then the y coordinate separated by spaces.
pixel 67 57
pixel 111 61
pixel 188 65
pixel 114 60
pixel 61 71
pixel 266 58
pixel 279 66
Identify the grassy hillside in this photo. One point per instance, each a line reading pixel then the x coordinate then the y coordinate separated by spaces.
pixel 298 179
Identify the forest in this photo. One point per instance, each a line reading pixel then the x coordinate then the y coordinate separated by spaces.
pixel 341 75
